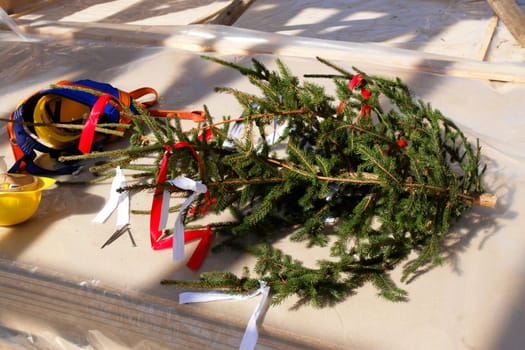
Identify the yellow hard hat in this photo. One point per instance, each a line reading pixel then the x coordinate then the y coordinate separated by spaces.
pixel 51 109
pixel 20 196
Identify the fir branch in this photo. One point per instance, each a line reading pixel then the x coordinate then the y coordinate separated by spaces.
pixel 136 152
pixel 377 162
pixel 100 128
pixel 357 178
pixel 344 72
pixel 387 287
pixel 215 125
pixel 302 157
pixel 356 128
pixel 111 165
pixel 257 181
pixel 260 70
pixel 394 180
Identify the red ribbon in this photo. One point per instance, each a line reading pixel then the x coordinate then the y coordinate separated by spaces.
pixel 342 105
pixel 355 81
pixel 402 143
pixel 365 93
pixel 198 255
pixel 208 134
pixel 156 207
pixel 88 132
pixel 365 110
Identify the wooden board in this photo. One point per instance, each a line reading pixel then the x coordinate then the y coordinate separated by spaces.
pixel 510 14
pixel 13 6
pixel 238 41
pixel 33 299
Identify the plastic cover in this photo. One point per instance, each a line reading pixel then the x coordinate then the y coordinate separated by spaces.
pixel 476 299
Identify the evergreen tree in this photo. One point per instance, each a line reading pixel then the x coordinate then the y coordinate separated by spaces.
pixel 372 174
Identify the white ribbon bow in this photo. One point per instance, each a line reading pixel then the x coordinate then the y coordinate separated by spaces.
pixel 119 201
pixel 183 183
pixel 251 334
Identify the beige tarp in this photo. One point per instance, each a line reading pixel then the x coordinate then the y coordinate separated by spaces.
pixel 58 289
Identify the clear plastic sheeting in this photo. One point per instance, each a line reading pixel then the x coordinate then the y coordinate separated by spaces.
pixel 459 28
pixel 4 17
pixel 59 290
pixel 239 41
pixel 49 340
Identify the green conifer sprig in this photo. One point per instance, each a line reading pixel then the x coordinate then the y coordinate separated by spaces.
pixel 371 173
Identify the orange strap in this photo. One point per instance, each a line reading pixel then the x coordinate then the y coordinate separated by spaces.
pixel 141 92
pixel 196 116
pixel 126 97
pixel 12 140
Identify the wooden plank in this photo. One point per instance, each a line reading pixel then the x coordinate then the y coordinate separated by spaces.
pixel 238 41
pixel 227 15
pixel 512 16
pixel 11 6
pixel 71 309
pixel 35 6
pixel 232 12
pixel 18 8
pixel 489 35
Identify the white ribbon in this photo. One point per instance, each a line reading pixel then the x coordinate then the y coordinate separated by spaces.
pixel 183 183
pixel 251 334
pixel 278 131
pixel 119 201
pixel 234 135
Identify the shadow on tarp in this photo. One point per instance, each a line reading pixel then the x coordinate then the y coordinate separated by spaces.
pixel 412 24
pixel 511 329
pixel 123 12
pixel 49 310
pixel 57 204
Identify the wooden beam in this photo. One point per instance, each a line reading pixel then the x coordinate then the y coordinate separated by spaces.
pixel 232 12
pixel 17 8
pixel 35 301
pixel 489 35
pixel 512 16
pixel 222 39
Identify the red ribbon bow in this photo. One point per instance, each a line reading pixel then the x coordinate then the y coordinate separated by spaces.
pixel 157 243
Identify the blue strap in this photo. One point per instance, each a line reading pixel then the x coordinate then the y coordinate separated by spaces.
pixel 26 143
pixel 87 98
pixel 103 87
pixel 32 168
pixel 29 144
